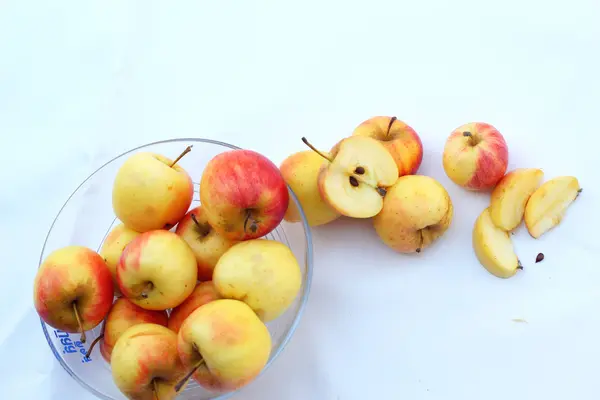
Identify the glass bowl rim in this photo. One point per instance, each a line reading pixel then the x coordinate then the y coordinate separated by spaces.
pixel 303 301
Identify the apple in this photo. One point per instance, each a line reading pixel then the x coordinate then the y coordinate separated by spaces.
pixel 417 210
pixel 122 315
pixel 475 156
pixel 224 344
pixel 262 273
pixel 113 247
pixel 399 139
pixel 301 171
pixel 151 192
pixel 157 270
pixel 353 181
pixel 206 243
pixel 205 292
pixel 145 363
pixel 243 194
pixel 73 289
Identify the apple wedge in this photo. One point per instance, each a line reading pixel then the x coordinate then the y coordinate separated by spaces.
pixel 547 205
pixel 354 181
pixel 510 196
pixel 493 247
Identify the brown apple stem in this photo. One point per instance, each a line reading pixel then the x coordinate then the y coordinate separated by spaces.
pixel 253 222
pixel 187 150
pixel 188 375
pixel 313 148
pixel 89 352
pixel 155 389
pixel 473 141
pixel 418 250
pixel 204 230
pixel 79 322
pixel 392 120
pixel 149 287
pixel 519 265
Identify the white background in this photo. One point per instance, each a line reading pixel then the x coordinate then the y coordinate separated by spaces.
pixel 82 81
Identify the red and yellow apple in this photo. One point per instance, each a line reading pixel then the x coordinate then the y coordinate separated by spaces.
pixel 399 139
pixel 113 247
pixel 207 244
pixel 225 343
pixel 475 156
pixel 157 270
pixel 151 192
pixel 73 290
pixel 243 194
pixel 204 293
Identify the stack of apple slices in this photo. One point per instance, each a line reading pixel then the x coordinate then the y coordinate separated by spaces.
pixel 193 287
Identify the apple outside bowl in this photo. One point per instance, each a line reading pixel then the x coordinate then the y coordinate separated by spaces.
pixel 87 217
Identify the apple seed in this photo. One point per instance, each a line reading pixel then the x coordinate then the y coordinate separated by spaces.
pixel 539 257
pixel 359 170
pixel 353 181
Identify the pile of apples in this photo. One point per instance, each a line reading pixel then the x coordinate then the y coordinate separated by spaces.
pixel 182 293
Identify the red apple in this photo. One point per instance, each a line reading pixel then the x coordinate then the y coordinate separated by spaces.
pixel 205 292
pixel 243 194
pixel 475 156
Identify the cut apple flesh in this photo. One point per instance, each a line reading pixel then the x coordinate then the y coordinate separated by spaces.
pixel 510 197
pixel 493 247
pixel 547 205
pixel 353 182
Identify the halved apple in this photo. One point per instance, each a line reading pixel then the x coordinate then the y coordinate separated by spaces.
pixel 354 181
pixel 493 247
pixel 547 205
pixel 510 196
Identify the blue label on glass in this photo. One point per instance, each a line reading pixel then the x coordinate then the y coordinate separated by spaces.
pixel 71 347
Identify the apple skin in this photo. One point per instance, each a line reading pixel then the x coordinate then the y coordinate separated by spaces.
pixel 204 293
pixel 157 270
pixel 73 275
pixel 403 143
pixel 206 243
pixel 234 343
pixel 239 187
pixel 301 171
pixel 143 353
pixel 123 315
pixel 113 247
pixel 148 194
pixel 475 156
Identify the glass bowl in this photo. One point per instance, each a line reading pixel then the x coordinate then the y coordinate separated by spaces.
pixel 87 217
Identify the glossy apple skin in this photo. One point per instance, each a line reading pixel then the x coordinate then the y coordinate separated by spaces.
pixel 112 248
pixel 73 274
pixel 204 293
pixel 401 140
pixel 123 315
pixel 476 162
pixel 207 244
pixel 241 183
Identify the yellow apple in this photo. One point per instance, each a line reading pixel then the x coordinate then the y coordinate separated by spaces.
pixel 225 344
pixel 417 210
pixel 262 273
pixel 301 172
pixel 113 247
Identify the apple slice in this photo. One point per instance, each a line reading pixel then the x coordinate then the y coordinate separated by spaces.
pixel 354 180
pixel 548 204
pixel 510 196
pixel 493 247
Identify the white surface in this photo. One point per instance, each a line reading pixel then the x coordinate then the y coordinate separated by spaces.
pixel 83 82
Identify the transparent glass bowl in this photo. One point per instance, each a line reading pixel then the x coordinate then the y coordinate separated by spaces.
pixel 87 217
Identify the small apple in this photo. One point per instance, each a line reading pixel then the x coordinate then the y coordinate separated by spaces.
pixel 122 315
pixel 205 292
pixel 224 344
pixel 262 273
pixel 301 173
pixel 353 182
pixel 73 290
pixel 243 194
pixel 151 192
pixel 113 247
pixel 399 139
pixel 145 363
pixel 206 243
pixel 417 210
pixel 157 270
pixel 475 156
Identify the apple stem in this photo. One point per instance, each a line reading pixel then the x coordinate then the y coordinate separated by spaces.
pixel 203 230
pixel 79 323
pixel 418 250
pixel 155 385
pixel 89 352
pixel 187 150
pixel 519 265
pixel 149 287
pixel 253 225
pixel 313 148
pixel 188 375
pixel 392 120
